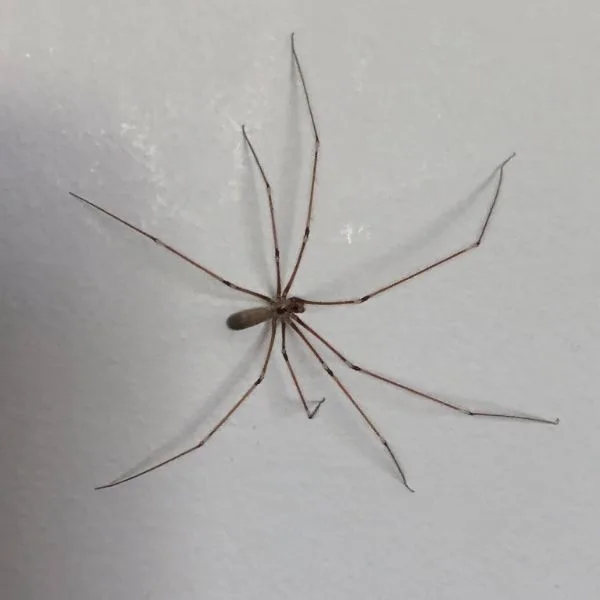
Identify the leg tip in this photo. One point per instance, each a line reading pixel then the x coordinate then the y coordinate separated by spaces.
pixel 508 159
pixel 317 407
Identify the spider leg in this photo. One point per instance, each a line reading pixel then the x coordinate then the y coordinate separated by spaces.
pixel 214 430
pixel 354 403
pixel 170 248
pixel 437 263
pixel 413 390
pixel 313 180
pixel 309 413
pixel 271 209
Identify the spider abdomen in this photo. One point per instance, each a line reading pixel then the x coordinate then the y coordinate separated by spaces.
pixel 249 317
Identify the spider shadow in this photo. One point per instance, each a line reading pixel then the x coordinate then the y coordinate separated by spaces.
pixel 411 247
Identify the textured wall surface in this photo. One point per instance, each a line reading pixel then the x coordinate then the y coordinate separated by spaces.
pixel 115 355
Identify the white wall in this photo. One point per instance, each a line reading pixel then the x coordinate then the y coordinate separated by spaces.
pixel 114 355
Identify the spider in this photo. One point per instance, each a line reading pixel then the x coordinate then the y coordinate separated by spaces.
pixel 283 310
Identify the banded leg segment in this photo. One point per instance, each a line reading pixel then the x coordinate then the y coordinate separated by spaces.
pixel 412 390
pixel 309 413
pixel 354 403
pixel 437 263
pixel 170 248
pixel 271 209
pixel 290 282
pixel 216 428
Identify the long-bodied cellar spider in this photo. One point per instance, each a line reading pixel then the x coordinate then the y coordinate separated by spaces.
pixel 284 310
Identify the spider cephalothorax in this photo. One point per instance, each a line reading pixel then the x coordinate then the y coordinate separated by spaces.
pixel 277 310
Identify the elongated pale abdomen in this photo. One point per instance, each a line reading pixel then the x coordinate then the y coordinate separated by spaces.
pixel 249 317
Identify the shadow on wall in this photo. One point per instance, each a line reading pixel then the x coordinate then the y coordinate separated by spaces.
pixel 61 380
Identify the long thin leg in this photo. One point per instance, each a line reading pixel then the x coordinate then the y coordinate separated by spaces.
pixel 367 420
pixel 271 209
pixel 446 259
pixel 413 390
pixel 309 413
pixel 158 241
pixel 214 430
pixel 313 177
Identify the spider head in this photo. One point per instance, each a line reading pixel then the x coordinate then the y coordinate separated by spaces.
pixel 295 305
